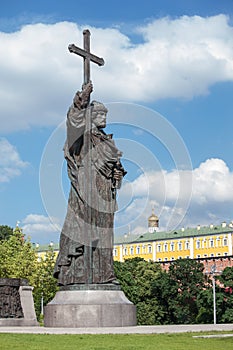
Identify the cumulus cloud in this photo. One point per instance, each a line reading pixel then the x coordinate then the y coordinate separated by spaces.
pixel 208 200
pixel 10 161
pixel 41 228
pixel 210 197
pixel 176 58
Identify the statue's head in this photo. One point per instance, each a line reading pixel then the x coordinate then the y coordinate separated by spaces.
pixel 99 112
pixel 98 107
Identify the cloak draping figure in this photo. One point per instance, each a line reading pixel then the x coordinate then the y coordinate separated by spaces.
pixel 86 240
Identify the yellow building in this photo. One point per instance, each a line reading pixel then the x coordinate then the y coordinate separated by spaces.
pixel 194 243
pixel 208 244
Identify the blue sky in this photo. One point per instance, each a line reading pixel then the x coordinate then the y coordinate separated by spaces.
pixel 168 85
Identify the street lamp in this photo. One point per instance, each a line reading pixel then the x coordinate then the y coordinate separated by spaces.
pixel 213 270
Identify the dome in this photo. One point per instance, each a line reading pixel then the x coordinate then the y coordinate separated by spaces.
pixel 153 222
pixel 153 217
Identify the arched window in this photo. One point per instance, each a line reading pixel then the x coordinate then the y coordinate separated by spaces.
pixel 149 249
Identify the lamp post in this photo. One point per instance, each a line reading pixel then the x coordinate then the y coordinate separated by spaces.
pixel 213 270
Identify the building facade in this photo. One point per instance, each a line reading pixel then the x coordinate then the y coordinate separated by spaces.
pixel 211 245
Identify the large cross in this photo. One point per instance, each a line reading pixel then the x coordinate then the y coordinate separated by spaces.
pixel 86 54
pixel 88 57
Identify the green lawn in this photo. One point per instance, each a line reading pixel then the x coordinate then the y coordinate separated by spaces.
pixel 183 341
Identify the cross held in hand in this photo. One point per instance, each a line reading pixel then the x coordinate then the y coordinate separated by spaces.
pixel 86 54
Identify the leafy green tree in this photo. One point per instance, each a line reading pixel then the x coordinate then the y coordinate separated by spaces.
pixel 226 280
pixel 17 257
pixel 177 291
pixel 136 277
pixel 165 291
pixel 45 284
pixel 126 274
pixel 187 274
pixel 5 232
pixel 205 306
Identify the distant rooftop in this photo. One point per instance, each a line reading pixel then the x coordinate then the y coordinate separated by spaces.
pixel 180 233
pixel 155 236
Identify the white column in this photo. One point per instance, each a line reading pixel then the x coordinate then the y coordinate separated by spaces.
pixel 230 243
pixel 121 253
pixel 154 251
pixel 191 250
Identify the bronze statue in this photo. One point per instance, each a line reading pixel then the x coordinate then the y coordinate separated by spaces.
pixel 95 171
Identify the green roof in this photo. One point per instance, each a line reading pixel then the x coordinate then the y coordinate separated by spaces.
pixel 45 247
pixel 163 235
pixel 175 234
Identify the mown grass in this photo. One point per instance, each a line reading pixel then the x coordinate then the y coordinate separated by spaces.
pixel 184 341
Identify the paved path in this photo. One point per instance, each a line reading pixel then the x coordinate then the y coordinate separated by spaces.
pixel 121 330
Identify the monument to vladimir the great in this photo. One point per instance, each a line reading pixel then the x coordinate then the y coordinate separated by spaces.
pixel 89 295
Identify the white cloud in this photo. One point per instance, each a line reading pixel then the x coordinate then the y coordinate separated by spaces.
pixel 41 228
pixel 178 58
pixel 210 200
pixel 10 162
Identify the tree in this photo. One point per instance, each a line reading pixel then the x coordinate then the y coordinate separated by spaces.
pixel 17 257
pixel 226 286
pixel 5 232
pixel 178 289
pixel 137 277
pixel 45 284
pixel 126 274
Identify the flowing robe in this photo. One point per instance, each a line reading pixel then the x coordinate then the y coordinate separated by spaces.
pixel 89 219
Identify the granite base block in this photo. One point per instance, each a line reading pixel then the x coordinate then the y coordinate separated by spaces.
pixel 27 304
pixel 90 308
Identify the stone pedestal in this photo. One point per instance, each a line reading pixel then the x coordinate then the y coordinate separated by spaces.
pixel 90 306
pixel 16 303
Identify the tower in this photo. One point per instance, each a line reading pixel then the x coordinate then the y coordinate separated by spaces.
pixel 153 222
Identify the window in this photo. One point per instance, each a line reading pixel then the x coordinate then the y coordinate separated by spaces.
pixel 159 259
pixel 211 254
pixel 187 245
pixel 114 252
pixel 217 242
pixel 211 243
pixel 131 250
pixel 204 243
pixel 138 250
pixel 225 242
pixel 225 254
pixel 165 247
pixel 149 249
pixel 172 247
pixel 165 259
pixel 159 248
pixel 179 246
pixel 198 256
pixel 198 244
pixel 172 258
pixel 125 251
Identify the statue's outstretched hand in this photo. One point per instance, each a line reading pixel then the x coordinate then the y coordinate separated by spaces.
pixel 87 88
pixel 81 98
